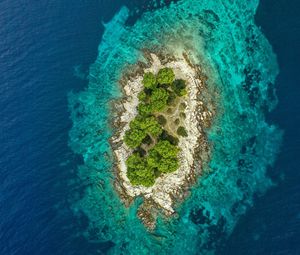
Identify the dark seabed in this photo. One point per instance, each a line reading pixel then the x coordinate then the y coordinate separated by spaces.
pixel 44 47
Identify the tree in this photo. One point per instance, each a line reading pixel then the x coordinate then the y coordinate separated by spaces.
pixel 144 109
pixel 140 127
pixel 149 80
pixel 168 165
pixel 134 137
pixel 138 171
pixel 142 96
pixel 161 120
pixel 172 97
pixel 145 177
pixel 158 99
pixel 163 156
pixel 179 87
pixel 148 124
pixel 182 131
pixel 165 76
pixel 135 161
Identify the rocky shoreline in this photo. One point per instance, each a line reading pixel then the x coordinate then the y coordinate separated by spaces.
pixel 169 189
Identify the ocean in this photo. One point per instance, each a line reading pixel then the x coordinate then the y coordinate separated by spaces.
pixel 46 49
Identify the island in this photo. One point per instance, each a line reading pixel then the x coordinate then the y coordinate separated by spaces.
pixel 160 144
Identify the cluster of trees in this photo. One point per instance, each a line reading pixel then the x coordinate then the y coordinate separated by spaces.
pixel 162 158
pixel 140 127
pixel 159 91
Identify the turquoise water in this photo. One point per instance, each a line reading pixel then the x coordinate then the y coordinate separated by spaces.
pixel 240 65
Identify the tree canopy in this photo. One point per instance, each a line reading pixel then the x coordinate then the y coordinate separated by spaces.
pixel 165 76
pixel 182 132
pixel 138 171
pixel 163 156
pixel 134 137
pixel 140 127
pixel 158 99
pixel 148 124
pixel 155 150
pixel 179 87
pixel 149 80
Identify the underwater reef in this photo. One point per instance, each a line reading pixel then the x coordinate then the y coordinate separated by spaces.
pixel 240 67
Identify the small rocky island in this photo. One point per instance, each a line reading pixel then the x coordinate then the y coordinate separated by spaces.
pixel 160 143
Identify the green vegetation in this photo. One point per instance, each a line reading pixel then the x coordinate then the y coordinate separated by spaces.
pixel 182 115
pixel 161 120
pixel 149 80
pixel 163 157
pixel 165 76
pixel 140 127
pixel 177 121
pixel 158 99
pixel 182 132
pixel 155 150
pixel 138 171
pixel 179 87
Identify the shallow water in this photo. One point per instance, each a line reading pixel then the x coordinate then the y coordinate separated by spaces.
pixel 240 64
pixel 40 46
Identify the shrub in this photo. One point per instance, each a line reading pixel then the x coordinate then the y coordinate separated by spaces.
pixel 165 76
pixel 179 87
pixel 166 136
pixel 170 110
pixel 149 81
pixel 182 132
pixel 161 120
pixel 182 115
pixel 182 106
pixel 172 97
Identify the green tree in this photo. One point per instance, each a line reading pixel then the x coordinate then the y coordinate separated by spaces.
pixel 158 99
pixel 134 137
pixel 135 161
pixel 144 177
pixel 182 131
pixel 138 171
pixel 172 97
pixel 161 120
pixel 148 124
pixel 179 87
pixel 140 127
pixel 142 96
pixel 163 156
pixel 149 80
pixel 165 76
pixel 144 109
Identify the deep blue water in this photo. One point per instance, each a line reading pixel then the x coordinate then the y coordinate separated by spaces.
pixel 40 44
